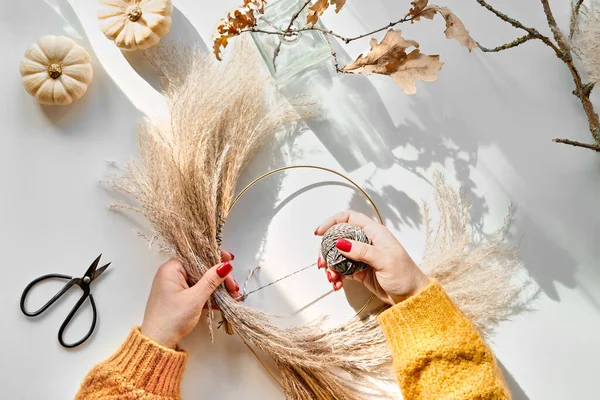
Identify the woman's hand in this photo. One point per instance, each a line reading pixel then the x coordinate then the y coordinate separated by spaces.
pixel 392 275
pixel 174 308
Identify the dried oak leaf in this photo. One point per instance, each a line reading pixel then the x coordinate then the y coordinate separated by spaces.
pixel 389 57
pixel 338 4
pixel 417 8
pixel 316 10
pixel 235 22
pixel 455 29
pixel 256 5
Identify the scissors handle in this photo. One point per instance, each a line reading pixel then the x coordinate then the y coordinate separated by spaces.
pixel 68 285
pixel 86 294
pixel 52 300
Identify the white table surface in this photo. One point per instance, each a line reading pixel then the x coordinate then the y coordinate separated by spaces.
pixel 487 123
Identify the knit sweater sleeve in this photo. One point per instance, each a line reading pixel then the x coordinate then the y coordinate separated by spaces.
pixel 140 369
pixel 438 353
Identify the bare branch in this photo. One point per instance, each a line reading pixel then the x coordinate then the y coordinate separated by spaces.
pixel 583 92
pixel 578 5
pixel 517 24
pixel 576 8
pixel 275 55
pixel 580 88
pixel 563 52
pixel 336 63
pixel 348 40
pixel 258 30
pixel 549 15
pixel 507 46
pixel 291 32
pixel 388 26
pixel 297 14
pixel 558 35
pixel 325 31
pixel 575 143
pixel 587 89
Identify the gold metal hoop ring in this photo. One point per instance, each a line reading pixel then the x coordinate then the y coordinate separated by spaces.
pixel 273 172
pixel 316 167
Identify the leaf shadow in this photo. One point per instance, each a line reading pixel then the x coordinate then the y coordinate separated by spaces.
pixel 357 129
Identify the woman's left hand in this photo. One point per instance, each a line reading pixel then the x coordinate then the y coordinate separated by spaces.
pixel 174 308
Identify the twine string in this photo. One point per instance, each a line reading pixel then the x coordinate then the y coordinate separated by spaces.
pixel 220 223
pixel 245 293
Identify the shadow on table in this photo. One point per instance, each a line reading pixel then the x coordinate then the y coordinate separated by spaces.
pixel 547 199
pixel 182 34
pixel 439 133
pixel 517 392
pixel 356 128
pixel 546 262
pixel 81 117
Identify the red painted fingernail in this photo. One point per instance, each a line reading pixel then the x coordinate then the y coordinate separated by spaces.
pixel 316 230
pixel 329 276
pixel 232 256
pixel 237 287
pixel 337 286
pixel 224 270
pixel 343 245
pixel 319 262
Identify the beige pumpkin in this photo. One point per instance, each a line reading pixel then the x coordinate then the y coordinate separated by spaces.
pixel 135 24
pixel 56 70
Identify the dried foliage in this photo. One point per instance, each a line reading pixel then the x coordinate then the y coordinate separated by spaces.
pixel 317 9
pixel 479 275
pixel 390 58
pixel 387 58
pixel 455 29
pixel 184 185
pixel 235 22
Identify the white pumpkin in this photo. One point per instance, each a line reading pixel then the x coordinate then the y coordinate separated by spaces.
pixel 135 24
pixel 56 70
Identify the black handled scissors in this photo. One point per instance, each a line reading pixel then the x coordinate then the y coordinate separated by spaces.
pixel 84 282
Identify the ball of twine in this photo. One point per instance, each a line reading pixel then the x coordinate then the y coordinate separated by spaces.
pixel 335 260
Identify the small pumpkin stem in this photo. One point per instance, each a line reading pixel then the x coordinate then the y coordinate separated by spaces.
pixel 55 70
pixel 134 12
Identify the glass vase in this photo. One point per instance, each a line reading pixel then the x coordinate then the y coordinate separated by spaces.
pixel 349 126
pixel 288 57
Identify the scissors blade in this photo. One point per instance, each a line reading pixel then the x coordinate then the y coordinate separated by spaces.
pixel 99 271
pixel 92 267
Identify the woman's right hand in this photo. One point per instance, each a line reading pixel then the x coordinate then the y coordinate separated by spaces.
pixel 392 275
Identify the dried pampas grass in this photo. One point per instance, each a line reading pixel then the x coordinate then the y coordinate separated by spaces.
pixel 184 185
pixel 480 275
pixel 586 42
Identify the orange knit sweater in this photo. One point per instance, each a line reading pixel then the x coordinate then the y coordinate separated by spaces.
pixel 438 354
